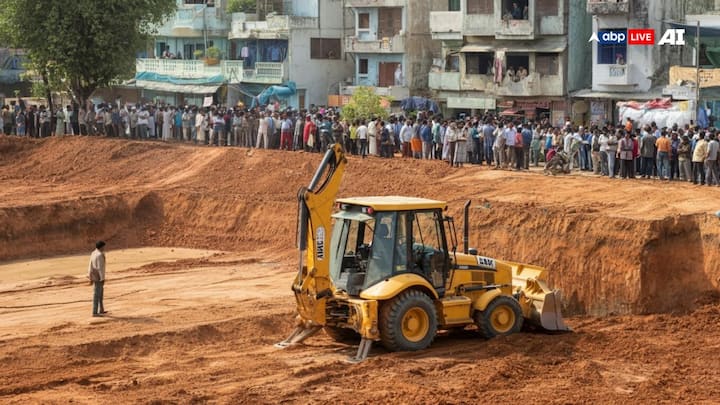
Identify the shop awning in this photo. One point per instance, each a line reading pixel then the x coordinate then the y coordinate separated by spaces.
pixel 540 45
pixel 647 95
pixel 510 112
pixel 177 88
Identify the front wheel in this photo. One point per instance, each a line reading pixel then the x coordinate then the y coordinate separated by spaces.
pixel 408 322
pixel 502 317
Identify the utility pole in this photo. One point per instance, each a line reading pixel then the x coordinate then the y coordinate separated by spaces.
pixel 697 71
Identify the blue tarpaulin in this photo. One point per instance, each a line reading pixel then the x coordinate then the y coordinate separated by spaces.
pixel 419 104
pixel 157 77
pixel 286 91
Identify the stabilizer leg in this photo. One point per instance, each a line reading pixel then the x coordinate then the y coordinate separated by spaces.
pixel 298 335
pixel 362 352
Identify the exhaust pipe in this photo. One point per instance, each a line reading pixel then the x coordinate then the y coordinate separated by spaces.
pixel 466 228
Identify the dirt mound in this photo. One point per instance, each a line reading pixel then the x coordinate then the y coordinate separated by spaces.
pixel 611 246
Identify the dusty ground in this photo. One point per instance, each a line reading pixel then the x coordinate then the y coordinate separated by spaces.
pixel 196 326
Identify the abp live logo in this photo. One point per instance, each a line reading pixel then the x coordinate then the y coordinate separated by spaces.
pixel 638 36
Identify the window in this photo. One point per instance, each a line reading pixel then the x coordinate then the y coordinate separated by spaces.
pixel 478 63
pixel 609 54
pixel 515 9
pixel 452 63
pixel 324 48
pixel 389 21
pixel 545 8
pixel 363 67
pixel 546 64
pixel 364 21
pixel 428 256
pixel 480 6
pixel 517 66
pixel 453 5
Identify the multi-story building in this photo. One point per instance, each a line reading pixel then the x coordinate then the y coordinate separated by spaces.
pixel 175 70
pixel 391 46
pixel 622 72
pixel 502 54
pixel 284 42
pixel 293 40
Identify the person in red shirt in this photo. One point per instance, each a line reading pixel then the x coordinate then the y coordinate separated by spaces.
pixel 309 133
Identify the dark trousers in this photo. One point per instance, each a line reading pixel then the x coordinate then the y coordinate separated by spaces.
pixel 698 170
pixel 519 158
pixel 98 291
pixel 627 169
pixel 476 152
pixel 647 165
pixel 363 147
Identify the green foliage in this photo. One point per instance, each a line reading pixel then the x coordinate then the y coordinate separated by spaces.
pixel 364 104
pixel 242 6
pixel 213 52
pixel 81 45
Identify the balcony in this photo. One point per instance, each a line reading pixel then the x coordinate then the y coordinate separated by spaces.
pixel 192 21
pixel 231 70
pixel 265 73
pixel 515 29
pixel 607 7
pixel 613 75
pixel 245 26
pixel 444 81
pixel 397 93
pixel 472 82
pixel 446 25
pixel 394 44
pixel 533 85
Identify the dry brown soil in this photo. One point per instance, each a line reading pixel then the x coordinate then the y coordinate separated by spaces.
pixel 201 258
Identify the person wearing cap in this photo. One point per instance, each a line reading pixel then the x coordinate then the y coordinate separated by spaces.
pixel 96 274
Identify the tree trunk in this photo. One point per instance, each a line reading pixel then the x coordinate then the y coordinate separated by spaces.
pixel 48 93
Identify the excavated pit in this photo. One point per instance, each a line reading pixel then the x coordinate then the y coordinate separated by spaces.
pixel 614 248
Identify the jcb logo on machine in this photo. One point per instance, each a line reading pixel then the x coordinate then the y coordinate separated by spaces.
pixel 486 262
pixel 320 244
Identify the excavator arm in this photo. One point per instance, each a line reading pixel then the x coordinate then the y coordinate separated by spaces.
pixel 312 285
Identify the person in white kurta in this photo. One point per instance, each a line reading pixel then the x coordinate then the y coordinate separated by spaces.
pixel 372 140
pixel 168 118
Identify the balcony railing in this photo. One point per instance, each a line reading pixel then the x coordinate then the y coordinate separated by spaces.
pixel 444 80
pixel 231 70
pixel 603 7
pixel 375 3
pixel 265 73
pixel 274 26
pixel 394 44
pixel 613 75
pixel 509 28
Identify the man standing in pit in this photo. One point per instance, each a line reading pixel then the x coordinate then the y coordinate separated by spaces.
pixel 96 274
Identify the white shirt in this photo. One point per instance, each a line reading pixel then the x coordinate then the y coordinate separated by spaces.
pixel 143 117
pixel 199 118
pixel 97 262
pixel 406 133
pixel 362 132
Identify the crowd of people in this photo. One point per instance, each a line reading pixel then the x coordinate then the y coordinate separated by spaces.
pixel 622 151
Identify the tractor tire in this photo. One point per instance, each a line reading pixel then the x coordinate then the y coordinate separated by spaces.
pixel 502 317
pixel 342 335
pixel 408 322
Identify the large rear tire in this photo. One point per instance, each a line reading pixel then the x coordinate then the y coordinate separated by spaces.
pixel 502 317
pixel 342 335
pixel 408 322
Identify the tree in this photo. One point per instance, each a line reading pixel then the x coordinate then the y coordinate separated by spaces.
pixel 81 45
pixel 242 6
pixel 364 104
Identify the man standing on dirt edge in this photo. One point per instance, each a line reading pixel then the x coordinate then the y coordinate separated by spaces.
pixel 96 274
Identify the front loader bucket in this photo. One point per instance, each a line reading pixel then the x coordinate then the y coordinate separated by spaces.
pixel 541 306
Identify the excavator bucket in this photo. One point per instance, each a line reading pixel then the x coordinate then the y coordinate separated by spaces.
pixel 541 305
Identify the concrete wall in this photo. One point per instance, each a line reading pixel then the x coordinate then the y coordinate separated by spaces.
pixel 580 52
pixel 419 45
pixel 318 76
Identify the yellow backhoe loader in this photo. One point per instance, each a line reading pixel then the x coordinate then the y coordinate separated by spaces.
pixel 387 269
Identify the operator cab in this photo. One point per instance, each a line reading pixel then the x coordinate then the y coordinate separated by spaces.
pixel 376 238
